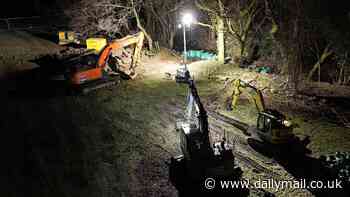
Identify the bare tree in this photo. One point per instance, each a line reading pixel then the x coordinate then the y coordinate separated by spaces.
pixel 111 17
pixel 135 9
pixel 161 19
pixel 288 28
pixel 240 22
pixel 321 57
pixel 90 17
pixel 216 12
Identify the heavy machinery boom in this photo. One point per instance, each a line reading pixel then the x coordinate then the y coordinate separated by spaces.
pixel 254 94
pixel 98 65
pixel 200 159
pixel 272 126
pixel 128 69
pixel 115 59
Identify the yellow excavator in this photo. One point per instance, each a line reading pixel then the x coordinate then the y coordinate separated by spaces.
pixel 272 126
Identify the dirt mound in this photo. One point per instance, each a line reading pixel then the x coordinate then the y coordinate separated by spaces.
pixel 18 48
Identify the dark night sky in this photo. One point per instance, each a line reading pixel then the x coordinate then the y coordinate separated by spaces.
pixel 338 10
pixel 13 9
pixel 25 8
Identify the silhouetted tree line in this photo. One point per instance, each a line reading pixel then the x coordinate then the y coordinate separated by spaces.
pixel 307 39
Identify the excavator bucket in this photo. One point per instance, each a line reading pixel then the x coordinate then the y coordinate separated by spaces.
pixel 122 55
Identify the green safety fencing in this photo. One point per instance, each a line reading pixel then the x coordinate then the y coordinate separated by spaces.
pixel 200 54
pixel 264 69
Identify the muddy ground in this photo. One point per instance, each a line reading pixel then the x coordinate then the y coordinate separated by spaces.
pixel 117 141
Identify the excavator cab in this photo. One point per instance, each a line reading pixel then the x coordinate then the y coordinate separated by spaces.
pixel 272 127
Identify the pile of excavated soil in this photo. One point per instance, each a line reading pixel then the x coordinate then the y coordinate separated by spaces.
pixel 17 48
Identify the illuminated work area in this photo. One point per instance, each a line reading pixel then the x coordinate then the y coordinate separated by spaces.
pixel 175 98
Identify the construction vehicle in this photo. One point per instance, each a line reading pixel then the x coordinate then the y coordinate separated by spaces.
pixel 96 44
pixel 272 126
pixel 199 160
pixel 87 71
pixel 115 59
pixel 126 58
pixel 67 37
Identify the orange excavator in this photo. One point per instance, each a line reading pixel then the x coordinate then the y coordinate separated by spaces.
pixel 119 57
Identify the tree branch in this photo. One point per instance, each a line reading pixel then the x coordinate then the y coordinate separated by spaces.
pixel 113 5
pixel 204 25
pixel 204 8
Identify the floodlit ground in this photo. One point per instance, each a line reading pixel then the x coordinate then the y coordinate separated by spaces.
pixel 312 116
pixel 116 141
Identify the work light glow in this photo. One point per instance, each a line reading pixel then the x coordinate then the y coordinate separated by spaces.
pixel 187 19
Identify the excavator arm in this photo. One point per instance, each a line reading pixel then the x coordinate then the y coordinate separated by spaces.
pixel 272 126
pixel 119 44
pixel 254 95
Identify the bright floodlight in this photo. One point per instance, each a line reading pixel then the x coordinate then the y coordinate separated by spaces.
pixel 187 19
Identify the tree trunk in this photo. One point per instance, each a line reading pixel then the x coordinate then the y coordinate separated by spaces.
pixel 139 25
pixel 171 39
pixel 220 39
pixel 326 53
pixel 324 89
pixel 243 46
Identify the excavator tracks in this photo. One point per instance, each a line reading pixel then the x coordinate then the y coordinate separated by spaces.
pixel 234 137
pixel 242 151
pixel 249 158
pixel 254 164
